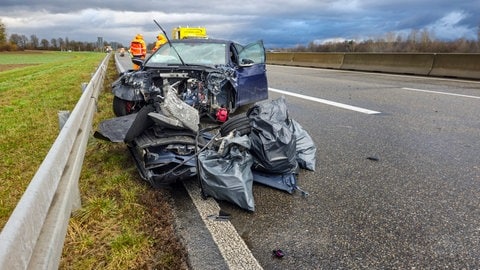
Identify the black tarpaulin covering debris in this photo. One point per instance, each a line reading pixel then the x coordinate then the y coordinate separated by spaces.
pixel 306 148
pixel 286 182
pixel 227 175
pixel 115 129
pixel 273 141
pixel 279 146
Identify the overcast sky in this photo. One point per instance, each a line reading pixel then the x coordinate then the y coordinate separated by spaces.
pixel 279 23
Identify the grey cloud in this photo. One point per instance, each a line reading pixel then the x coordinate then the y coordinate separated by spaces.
pixel 279 23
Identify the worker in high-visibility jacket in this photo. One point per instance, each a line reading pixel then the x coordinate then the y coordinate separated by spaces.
pixel 160 41
pixel 138 49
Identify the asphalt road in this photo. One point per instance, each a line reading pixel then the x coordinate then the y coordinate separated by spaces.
pixel 397 180
pixel 394 190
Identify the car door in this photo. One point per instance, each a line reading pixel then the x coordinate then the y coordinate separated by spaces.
pixel 252 83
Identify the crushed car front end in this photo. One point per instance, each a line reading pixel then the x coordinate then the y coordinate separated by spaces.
pixel 209 75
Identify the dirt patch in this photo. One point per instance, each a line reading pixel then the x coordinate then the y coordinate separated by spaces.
pixel 5 67
pixel 169 252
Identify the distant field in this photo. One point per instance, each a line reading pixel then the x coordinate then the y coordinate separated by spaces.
pixel 11 60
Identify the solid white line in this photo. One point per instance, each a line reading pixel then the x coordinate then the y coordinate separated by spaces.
pixel 436 92
pixel 324 101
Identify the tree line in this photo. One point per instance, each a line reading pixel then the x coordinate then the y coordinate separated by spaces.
pixel 16 42
pixel 417 41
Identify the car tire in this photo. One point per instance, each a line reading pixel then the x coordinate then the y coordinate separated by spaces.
pixel 121 107
pixel 240 123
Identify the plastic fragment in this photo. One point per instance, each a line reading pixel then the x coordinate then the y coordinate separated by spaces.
pixel 222 216
pixel 278 253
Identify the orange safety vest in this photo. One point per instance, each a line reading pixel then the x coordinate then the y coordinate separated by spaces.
pixel 136 48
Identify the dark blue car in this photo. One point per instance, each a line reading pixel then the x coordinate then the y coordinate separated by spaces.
pixel 208 74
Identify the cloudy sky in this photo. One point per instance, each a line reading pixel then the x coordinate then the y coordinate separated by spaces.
pixel 279 23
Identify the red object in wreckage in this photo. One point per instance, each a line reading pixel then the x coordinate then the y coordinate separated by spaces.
pixel 222 115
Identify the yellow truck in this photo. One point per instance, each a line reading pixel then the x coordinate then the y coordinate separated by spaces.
pixel 182 32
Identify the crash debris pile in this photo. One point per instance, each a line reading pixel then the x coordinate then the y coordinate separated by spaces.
pixel 270 154
pixel 264 145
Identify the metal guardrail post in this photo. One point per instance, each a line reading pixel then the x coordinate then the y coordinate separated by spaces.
pixel 34 234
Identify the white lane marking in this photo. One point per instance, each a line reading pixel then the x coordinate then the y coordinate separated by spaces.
pixel 436 92
pixel 324 101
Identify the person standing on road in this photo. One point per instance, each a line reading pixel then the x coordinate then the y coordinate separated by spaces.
pixel 138 49
pixel 160 41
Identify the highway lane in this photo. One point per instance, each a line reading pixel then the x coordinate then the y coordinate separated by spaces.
pixel 394 189
pixel 397 188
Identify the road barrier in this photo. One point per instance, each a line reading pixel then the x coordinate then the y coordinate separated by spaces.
pixel 428 64
pixel 33 236
pixel 418 64
pixel 457 65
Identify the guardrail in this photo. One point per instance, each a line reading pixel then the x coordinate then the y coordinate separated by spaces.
pixel 33 236
pixel 427 64
pixel 119 65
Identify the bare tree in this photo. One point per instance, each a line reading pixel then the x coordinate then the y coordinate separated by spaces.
pixel 61 44
pixel 3 33
pixel 34 41
pixel 19 40
pixel 53 42
pixel 478 37
pixel 24 41
pixel 412 40
pixel 67 44
pixel 425 40
pixel 45 43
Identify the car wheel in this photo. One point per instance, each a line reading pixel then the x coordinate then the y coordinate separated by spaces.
pixel 239 122
pixel 122 107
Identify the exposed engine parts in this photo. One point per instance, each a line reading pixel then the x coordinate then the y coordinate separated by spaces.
pixel 206 91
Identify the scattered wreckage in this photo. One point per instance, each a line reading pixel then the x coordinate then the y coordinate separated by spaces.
pixel 176 117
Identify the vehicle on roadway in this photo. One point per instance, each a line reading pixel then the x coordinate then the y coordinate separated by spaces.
pixel 210 75
pixel 159 106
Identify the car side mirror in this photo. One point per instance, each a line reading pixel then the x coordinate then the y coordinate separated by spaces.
pixel 137 61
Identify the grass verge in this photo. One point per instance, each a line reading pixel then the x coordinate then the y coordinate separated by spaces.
pixel 123 222
pixel 30 98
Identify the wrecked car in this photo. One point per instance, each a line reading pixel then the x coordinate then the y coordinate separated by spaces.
pixel 159 106
pixel 214 76
pixel 159 109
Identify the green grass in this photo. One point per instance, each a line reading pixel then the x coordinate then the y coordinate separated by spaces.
pixel 123 223
pixel 30 98
pixel 33 57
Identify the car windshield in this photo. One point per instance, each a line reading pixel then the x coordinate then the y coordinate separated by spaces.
pixel 191 53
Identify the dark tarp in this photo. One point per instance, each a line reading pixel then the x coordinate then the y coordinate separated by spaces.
pixel 228 176
pixel 273 140
pixel 306 148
